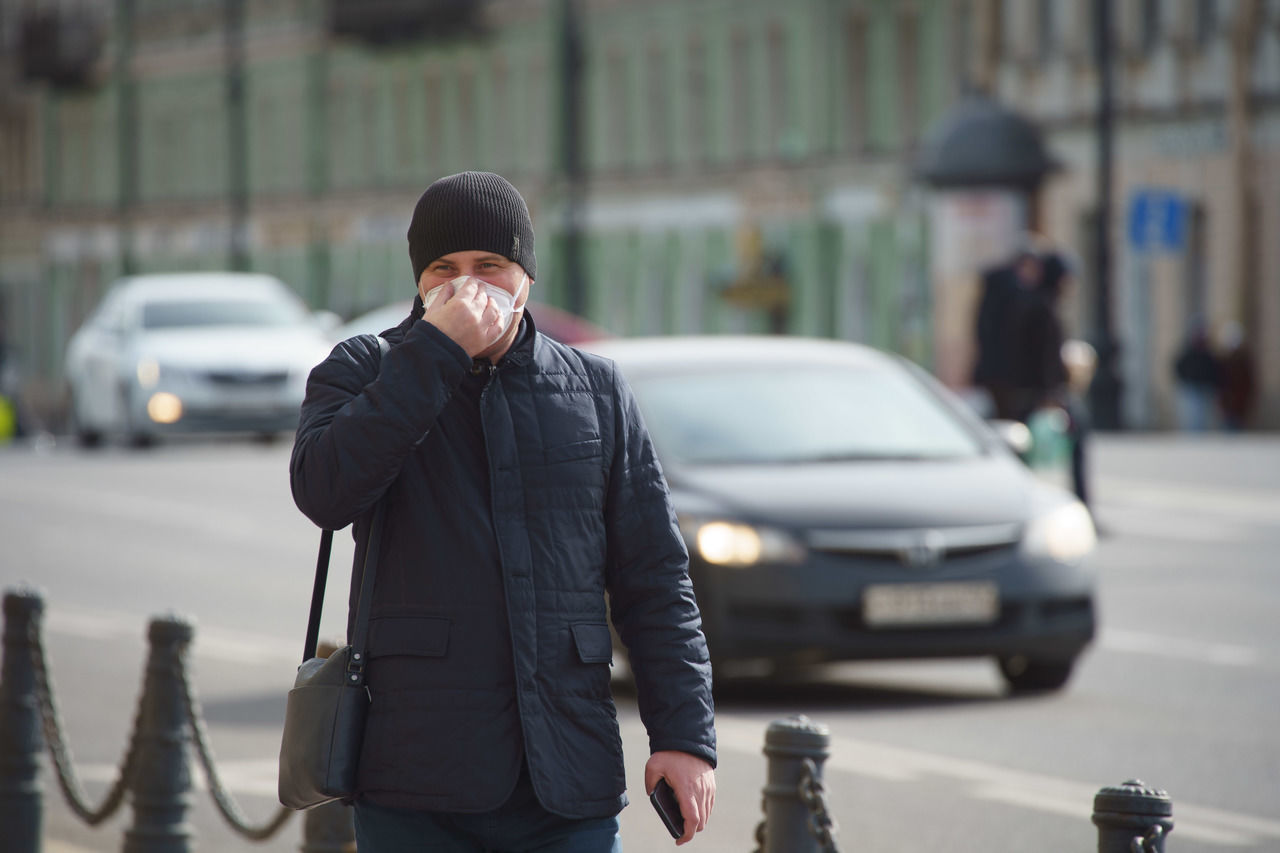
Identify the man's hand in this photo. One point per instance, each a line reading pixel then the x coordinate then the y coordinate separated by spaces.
pixel 694 783
pixel 467 315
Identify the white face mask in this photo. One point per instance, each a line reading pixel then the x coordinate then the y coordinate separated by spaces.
pixel 505 301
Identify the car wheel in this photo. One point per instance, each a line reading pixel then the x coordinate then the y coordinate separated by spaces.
pixel 136 435
pixel 1025 675
pixel 86 436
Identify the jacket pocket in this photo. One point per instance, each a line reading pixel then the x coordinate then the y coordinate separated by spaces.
pixel 586 449
pixel 595 644
pixel 418 636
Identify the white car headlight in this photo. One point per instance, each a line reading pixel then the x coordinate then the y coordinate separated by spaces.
pixel 151 374
pixel 733 543
pixel 148 373
pixel 1065 533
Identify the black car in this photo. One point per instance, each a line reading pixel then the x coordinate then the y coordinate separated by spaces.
pixel 840 504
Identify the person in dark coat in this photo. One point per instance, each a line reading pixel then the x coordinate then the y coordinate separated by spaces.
pixel 520 488
pixel 1006 291
pixel 1237 391
pixel 1199 375
pixel 1037 373
pixel 991 364
pixel 1041 377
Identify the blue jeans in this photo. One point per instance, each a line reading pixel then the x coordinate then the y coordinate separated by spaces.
pixel 521 825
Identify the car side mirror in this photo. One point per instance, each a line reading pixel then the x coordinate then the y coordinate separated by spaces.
pixel 1014 434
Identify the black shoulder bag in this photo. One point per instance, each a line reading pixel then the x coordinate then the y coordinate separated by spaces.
pixel 325 713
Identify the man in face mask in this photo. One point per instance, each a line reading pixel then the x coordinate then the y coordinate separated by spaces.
pixel 519 487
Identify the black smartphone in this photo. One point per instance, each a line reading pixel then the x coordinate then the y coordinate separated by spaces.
pixel 664 803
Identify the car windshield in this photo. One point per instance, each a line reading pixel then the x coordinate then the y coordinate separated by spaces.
pixel 182 313
pixel 786 415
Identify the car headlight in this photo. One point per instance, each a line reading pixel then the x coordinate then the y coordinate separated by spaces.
pixel 148 373
pixel 1065 533
pixel 733 543
pixel 152 374
pixel 164 408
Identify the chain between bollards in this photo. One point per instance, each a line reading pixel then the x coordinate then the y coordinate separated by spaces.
pixel 1131 818
pixel 156 768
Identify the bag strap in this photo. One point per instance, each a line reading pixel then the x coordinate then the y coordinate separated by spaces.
pixel 360 631
pixel 317 595
pixel 368 568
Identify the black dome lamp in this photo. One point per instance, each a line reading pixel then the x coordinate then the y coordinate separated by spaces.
pixel 980 143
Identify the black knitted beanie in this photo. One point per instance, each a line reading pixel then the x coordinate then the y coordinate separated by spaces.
pixel 471 211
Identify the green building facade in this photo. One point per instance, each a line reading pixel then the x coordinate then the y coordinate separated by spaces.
pixel 744 163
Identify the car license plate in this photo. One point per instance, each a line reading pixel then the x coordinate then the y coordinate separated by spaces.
pixel 902 605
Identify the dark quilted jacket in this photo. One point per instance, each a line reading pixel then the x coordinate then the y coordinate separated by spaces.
pixel 471 665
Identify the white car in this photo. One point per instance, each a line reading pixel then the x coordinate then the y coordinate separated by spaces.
pixel 193 352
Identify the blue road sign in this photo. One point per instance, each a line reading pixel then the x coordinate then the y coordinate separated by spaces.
pixel 1157 220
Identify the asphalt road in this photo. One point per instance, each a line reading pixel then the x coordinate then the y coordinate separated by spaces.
pixel 1181 690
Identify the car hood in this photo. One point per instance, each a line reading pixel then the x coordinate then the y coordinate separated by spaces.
pixel 868 494
pixel 235 347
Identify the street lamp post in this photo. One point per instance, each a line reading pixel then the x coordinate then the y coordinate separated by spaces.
pixel 1104 392
pixel 572 166
pixel 237 137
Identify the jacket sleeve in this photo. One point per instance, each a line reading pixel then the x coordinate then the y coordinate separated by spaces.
pixel 651 598
pixel 360 420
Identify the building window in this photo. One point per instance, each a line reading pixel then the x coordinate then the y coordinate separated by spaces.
pixel 658 101
pixel 1046 27
pixel 466 132
pixel 1206 22
pixel 619 116
pixel 779 87
pixel 429 140
pixel 908 78
pixel 1150 26
pixel 697 100
pixel 857 63
pixel 499 139
pixel 403 143
pixel 739 97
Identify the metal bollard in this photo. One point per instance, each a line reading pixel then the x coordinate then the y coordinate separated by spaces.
pixel 1132 818
pixel 791 825
pixel 21 741
pixel 161 778
pixel 329 828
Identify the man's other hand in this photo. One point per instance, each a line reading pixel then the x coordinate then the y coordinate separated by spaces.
pixel 467 315
pixel 694 782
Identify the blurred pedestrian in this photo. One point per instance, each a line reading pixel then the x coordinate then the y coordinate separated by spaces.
pixel 519 486
pixel 1037 372
pixel 1199 375
pixel 1004 289
pixel 1237 389
pixel 1051 375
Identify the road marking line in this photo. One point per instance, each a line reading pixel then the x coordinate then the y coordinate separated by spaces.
pixel 1219 654
pixel 209 643
pixel 1238 503
pixel 988 781
pixel 1127 520
pixel 254 777
pixel 53 846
